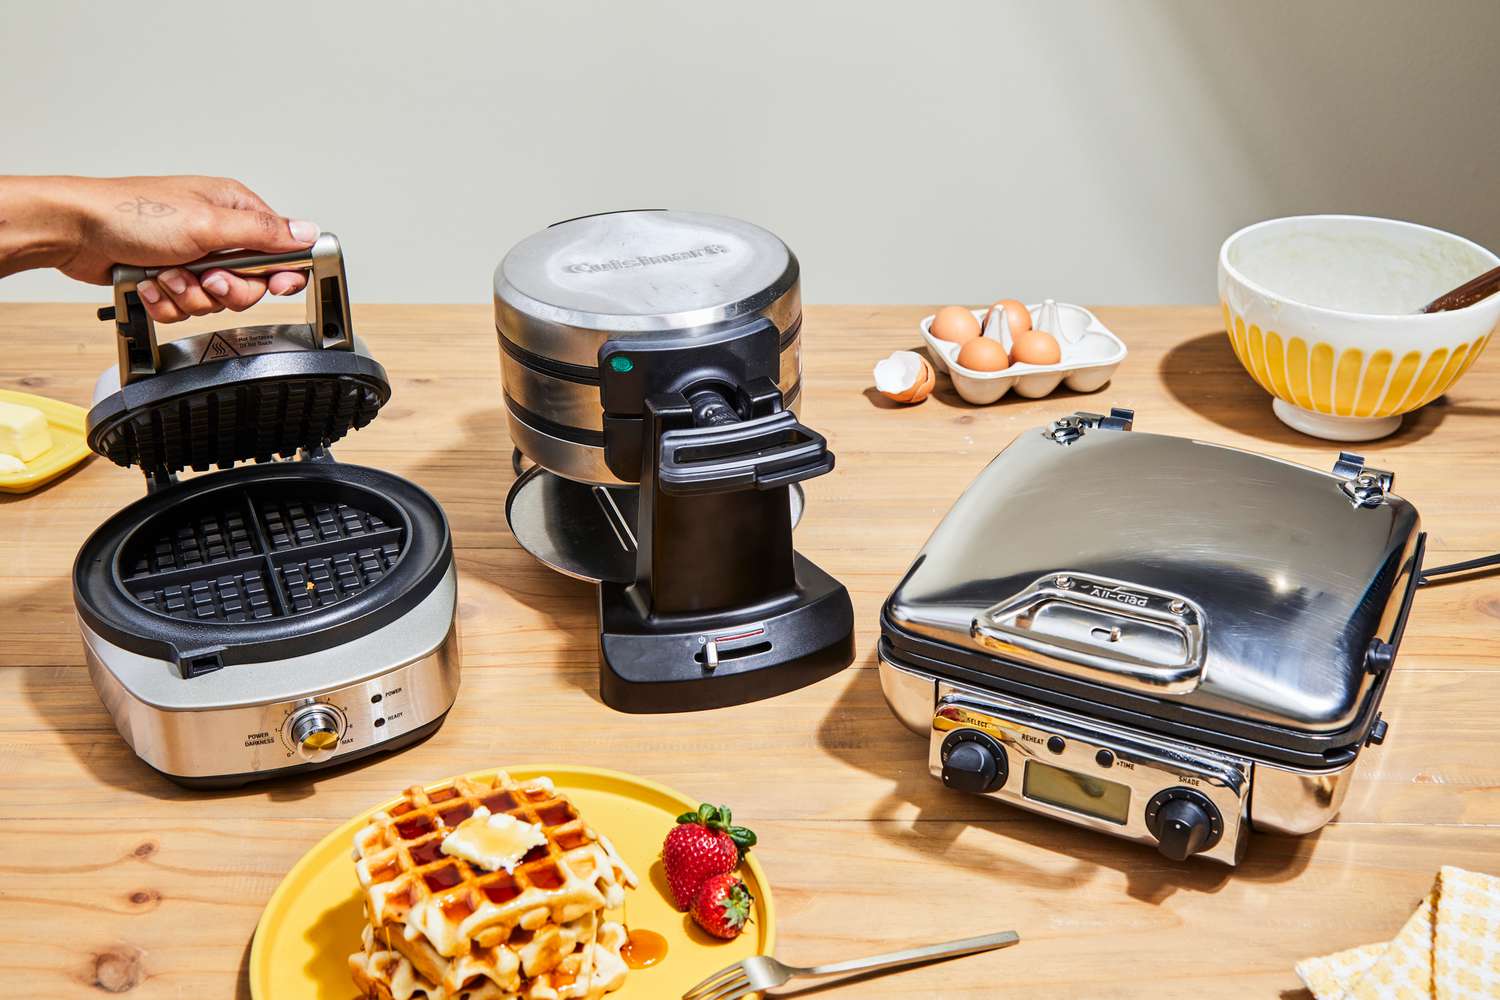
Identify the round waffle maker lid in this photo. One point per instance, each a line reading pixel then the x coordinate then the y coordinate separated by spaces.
pixel 251 393
pixel 562 293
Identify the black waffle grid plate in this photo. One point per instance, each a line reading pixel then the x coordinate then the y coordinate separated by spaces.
pixel 240 556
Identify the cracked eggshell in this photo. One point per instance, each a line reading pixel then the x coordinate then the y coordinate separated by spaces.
pixel 905 377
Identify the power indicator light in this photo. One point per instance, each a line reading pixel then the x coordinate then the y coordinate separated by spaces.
pixel 621 363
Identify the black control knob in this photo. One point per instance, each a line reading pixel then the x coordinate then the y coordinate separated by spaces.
pixel 973 762
pixel 1183 822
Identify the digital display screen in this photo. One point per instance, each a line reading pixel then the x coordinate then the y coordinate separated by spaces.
pixel 1082 793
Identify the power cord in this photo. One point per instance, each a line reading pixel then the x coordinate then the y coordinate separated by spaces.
pixel 1430 574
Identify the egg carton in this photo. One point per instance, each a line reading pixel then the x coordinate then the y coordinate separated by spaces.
pixel 1090 355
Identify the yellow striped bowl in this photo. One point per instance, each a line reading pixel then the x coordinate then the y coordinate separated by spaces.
pixel 1336 371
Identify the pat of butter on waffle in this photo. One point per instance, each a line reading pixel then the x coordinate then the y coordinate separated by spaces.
pixel 493 842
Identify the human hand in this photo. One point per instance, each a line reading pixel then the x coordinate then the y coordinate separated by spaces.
pixel 157 221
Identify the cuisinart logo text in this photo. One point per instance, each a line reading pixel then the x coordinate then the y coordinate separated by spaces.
pixel 644 260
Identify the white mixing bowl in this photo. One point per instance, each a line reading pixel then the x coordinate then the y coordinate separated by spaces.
pixel 1322 312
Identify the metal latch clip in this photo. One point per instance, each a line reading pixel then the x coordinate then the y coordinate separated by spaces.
pixel 1069 429
pixel 1364 486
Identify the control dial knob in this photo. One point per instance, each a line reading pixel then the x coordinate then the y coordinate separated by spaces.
pixel 315 732
pixel 1184 823
pixel 973 762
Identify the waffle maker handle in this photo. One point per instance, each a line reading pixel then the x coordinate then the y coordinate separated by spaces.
pixel 327 300
pixel 764 453
pixel 1128 636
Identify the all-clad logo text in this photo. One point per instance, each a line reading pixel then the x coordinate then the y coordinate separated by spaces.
pixel 1121 595
pixel 644 260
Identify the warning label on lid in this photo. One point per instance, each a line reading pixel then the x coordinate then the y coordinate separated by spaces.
pixel 217 349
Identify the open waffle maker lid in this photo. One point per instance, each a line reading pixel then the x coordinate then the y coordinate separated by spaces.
pixel 247 394
pixel 1183 586
pixel 265 561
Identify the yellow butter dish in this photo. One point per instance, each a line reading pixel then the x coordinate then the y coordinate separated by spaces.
pixel 65 424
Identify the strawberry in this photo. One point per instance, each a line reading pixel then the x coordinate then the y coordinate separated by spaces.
pixel 722 906
pixel 702 844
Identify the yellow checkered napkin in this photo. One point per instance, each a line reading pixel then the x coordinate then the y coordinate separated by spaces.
pixel 1328 977
pixel 1466 940
pixel 1448 950
pixel 1404 970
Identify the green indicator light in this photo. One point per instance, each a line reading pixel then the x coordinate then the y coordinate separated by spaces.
pixel 621 363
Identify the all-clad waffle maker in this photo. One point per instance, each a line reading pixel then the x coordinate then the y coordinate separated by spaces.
pixel 651 360
pixel 272 618
pixel 1167 640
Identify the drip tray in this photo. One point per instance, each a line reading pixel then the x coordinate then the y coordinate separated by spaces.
pixel 586 532
pixel 251 553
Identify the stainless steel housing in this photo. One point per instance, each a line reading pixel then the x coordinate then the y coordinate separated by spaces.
pixel 563 293
pixel 1279 799
pixel 238 721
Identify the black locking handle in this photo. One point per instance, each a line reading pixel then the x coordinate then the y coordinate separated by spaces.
pixel 763 454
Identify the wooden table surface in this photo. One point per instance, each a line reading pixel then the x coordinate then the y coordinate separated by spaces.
pixel 116 879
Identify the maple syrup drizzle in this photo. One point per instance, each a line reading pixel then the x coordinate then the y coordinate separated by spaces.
pixel 643 949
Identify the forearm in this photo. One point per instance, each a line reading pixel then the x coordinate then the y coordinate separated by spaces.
pixel 39 227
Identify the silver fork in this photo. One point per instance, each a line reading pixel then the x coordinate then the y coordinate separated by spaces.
pixel 762 972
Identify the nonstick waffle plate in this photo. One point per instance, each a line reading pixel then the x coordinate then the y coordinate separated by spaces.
pixel 253 553
pixel 261 562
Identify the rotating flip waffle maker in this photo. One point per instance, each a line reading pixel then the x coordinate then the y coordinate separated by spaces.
pixel 650 362
pixel 272 618
pixel 1185 642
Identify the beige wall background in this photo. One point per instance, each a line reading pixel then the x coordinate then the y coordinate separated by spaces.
pixel 916 152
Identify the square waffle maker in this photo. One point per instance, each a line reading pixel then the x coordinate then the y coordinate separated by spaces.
pixel 1163 639
pixel 273 618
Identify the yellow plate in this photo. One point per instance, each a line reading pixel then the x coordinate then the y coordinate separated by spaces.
pixel 66 422
pixel 312 923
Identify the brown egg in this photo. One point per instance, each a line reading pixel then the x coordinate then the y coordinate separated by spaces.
pixel 1015 314
pixel 955 324
pixel 1035 347
pixel 983 355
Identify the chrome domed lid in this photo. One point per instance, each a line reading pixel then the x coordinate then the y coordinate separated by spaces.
pixel 563 292
pixel 1175 571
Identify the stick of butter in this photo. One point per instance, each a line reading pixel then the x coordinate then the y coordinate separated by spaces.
pixel 23 431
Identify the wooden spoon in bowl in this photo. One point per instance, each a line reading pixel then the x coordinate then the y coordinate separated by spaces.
pixel 1467 294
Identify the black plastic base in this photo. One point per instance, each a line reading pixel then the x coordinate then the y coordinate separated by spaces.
pixel 228 782
pixel 658 664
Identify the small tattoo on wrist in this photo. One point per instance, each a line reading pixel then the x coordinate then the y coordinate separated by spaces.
pixel 145 207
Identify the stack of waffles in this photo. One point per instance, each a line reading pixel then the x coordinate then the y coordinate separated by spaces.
pixel 440 927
